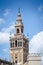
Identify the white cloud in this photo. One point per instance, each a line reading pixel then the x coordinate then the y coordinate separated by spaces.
pixel 8 29
pixel 40 8
pixel 5 34
pixel 4 37
pixel 2 20
pixel 36 43
pixel 7 12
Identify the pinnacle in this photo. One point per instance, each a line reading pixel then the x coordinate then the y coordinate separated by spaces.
pixel 19 16
pixel 19 10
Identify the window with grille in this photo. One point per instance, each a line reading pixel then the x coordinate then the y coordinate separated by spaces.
pixel 15 56
pixel 19 44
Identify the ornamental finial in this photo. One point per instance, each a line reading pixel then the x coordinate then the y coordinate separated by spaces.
pixel 19 10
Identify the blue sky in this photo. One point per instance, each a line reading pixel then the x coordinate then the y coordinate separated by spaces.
pixel 32 16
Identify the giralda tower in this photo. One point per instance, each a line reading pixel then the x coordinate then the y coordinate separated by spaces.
pixel 19 43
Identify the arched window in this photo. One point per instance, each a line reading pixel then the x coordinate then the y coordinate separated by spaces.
pixel 17 30
pixel 19 44
pixel 15 61
pixel 22 30
pixel 16 43
pixel 11 45
pixel 15 56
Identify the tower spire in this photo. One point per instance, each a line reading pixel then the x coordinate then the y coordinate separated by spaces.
pixel 19 10
pixel 19 24
pixel 19 19
pixel 19 15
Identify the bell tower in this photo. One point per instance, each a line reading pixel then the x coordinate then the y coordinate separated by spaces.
pixel 19 25
pixel 19 43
